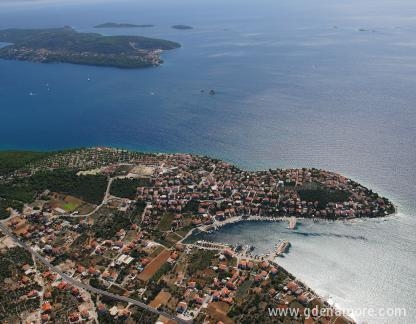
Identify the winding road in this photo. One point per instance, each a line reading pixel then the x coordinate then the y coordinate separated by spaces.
pixel 81 285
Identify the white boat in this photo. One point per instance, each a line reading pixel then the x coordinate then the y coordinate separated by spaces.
pixel 292 223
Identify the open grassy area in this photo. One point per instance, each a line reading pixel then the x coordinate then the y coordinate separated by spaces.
pixel 161 299
pixel 67 203
pixel 200 260
pixel 242 290
pixel 69 207
pixel 165 222
pixel 162 270
pixel 217 311
pixel 184 230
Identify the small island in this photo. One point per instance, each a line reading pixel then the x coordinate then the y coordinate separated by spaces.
pixel 122 25
pixel 65 45
pixel 182 27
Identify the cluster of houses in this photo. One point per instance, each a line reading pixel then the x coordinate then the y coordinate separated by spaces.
pixel 265 278
pixel 202 191
pixel 46 287
pixel 214 190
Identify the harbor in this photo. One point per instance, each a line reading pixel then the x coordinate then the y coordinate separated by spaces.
pixel 292 222
pixel 243 251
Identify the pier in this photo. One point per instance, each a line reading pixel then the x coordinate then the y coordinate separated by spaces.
pixel 282 247
pixel 292 222
pixel 237 219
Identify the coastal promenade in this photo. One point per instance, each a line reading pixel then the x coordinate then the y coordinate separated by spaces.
pixel 238 219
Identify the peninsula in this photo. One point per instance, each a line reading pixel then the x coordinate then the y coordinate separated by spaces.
pixel 101 234
pixel 122 25
pixel 69 46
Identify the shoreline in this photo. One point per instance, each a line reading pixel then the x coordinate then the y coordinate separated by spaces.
pixel 332 300
pixel 241 219
pixel 250 195
pixel 271 258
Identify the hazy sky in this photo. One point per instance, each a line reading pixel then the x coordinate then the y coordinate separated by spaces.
pixel 16 2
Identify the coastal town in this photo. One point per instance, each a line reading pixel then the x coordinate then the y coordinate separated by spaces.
pixel 141 58
pixel 66 45
pixel 101 235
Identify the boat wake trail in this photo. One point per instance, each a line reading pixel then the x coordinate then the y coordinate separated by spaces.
pixel 352 237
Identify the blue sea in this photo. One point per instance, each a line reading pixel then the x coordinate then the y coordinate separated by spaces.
pixel 329 84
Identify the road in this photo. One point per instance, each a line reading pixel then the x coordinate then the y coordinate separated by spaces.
pixel 105 199
pixel 81 285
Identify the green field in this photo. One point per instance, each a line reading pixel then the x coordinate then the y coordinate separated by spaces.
pixel 166 222
pixel 69 207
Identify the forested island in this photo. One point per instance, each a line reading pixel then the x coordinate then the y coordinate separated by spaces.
pixel 69 46
pixel 122 25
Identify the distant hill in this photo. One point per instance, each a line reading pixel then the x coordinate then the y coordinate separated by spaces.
pixel 121 25
pixel 182 27
pixel 69 46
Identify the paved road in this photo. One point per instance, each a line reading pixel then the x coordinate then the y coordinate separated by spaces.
pixel 81 285
pixel 105 199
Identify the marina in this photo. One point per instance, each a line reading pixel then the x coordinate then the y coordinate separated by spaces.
pixel 238 219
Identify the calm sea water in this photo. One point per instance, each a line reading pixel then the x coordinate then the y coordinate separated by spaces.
pixel 323 83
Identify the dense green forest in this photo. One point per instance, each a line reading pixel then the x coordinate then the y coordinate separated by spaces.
pixel 11 161
pixel 7 203
pixel 323 196
pixel 67 39
pixel 90 188
pixel 127 188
